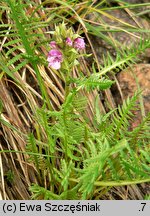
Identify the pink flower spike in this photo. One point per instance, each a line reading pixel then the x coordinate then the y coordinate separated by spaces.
pixel 69 41
pixel 53 44
pixel 54 58
pixel 79 43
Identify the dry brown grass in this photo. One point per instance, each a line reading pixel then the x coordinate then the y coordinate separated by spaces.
pixel 20 101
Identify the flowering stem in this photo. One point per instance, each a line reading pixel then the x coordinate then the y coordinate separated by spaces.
pixel 65 135
pixel 67 88
pixel 67 81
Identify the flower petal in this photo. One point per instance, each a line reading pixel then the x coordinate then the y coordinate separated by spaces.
pixel 53 44
pixel 55 65
pixel 55 52
pixel 79 43
pixel 69 41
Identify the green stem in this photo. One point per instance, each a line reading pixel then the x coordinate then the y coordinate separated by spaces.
pixel 114 183
pixel 67 88
pixel 65 135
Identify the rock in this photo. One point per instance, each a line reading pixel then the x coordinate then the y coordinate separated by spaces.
pixel 127 80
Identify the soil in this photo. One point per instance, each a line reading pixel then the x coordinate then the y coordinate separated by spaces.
pixel 119 39
pixel 130 80
pixel 139 73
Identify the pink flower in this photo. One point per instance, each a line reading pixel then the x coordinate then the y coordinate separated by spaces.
pixel 69 41
pixel 53 44
pixel 79 43
pixel 54 59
